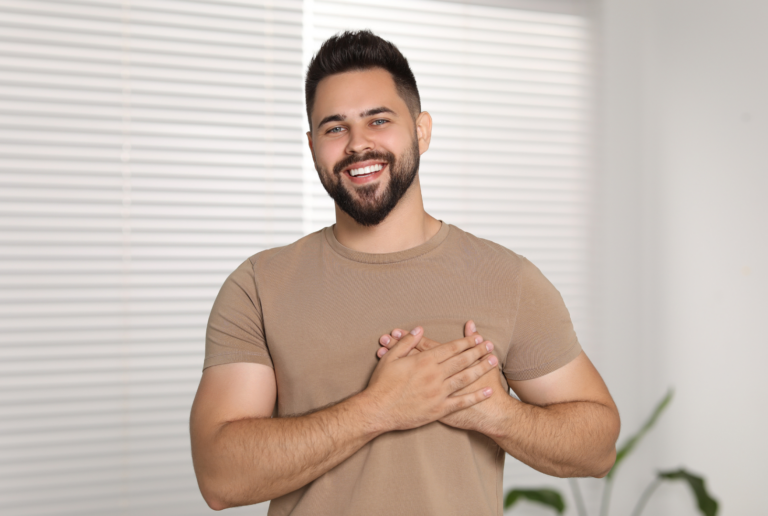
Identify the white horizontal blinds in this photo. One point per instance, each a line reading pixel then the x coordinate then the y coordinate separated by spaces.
pixel 508 91
pixel 147 147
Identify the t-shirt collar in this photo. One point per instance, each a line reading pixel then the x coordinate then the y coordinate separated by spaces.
pixel 398 256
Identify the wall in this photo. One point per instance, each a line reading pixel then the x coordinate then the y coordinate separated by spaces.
pixel 682 267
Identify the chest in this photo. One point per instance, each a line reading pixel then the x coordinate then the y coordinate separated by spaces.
pixel 322 330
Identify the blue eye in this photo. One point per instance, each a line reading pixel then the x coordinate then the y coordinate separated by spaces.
pixel 333 130
pixel 380 120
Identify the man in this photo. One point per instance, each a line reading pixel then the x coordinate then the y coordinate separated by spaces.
pixel 367 420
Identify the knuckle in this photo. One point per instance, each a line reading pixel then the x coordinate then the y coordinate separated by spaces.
pixel 457 382
pixel 463 379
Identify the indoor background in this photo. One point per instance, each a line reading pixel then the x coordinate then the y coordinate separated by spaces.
pixel 147 147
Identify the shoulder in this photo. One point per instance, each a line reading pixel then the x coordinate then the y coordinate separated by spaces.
pixel 274 261
pixel 306 248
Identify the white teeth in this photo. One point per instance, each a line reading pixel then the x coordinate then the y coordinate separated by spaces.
pixel 365 170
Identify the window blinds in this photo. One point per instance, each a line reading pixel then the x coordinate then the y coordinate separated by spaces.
pixel 148 147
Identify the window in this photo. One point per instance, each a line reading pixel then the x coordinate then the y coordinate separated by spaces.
pixel 150 146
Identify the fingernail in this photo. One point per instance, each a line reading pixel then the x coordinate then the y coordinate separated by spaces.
pixel 382 352
pixel 472 327
pixel 489 346
pixel 396 334
pixel 487 392
pixel 416 330
pixel 493 360
pixel 385 339
pixel 478 339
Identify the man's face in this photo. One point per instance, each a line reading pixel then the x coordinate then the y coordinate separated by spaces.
pixel 364 143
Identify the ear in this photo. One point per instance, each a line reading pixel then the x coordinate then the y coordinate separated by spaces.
pixel 311 147
pixel 424 131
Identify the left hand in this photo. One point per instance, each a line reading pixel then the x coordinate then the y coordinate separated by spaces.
pixel 471 418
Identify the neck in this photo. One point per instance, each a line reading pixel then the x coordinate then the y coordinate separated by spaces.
pixel 406 226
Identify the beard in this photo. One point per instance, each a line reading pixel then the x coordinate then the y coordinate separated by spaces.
pixel 364 205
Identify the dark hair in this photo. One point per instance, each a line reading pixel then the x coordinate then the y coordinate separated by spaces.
pixel 361 50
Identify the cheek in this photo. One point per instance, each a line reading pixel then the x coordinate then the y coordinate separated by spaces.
pixel 327 154
pixel 393 142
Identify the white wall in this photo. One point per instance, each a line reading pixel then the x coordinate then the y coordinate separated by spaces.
pixel 683 249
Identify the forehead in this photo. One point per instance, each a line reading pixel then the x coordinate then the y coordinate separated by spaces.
pixel 351 93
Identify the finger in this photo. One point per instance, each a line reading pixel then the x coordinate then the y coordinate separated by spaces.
pixel 390 340
pixel 456 403
pixel 383 351
pixel 470 328
pixel 464 360
pixel 406 344
pixel 469 375
pixel 426 344
pixel 450 349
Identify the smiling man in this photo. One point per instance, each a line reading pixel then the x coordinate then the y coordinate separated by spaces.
pixel 310 399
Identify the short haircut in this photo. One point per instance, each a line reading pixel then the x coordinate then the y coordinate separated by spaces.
pixel 356 51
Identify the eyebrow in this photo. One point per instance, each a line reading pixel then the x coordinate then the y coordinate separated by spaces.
pixel 370 112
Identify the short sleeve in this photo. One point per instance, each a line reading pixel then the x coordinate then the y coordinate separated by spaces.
pixel 235 327
pixel 543 338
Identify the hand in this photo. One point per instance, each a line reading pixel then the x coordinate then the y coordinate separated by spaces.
pixel 472 417
pixel 411 391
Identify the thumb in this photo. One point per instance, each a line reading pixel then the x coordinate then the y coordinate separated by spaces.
pixel 406 344
pixel 470 328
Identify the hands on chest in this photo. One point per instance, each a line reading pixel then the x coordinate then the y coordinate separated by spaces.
pixel 473 416
pixel 420 381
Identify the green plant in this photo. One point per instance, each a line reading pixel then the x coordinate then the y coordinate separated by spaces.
pixel 553 499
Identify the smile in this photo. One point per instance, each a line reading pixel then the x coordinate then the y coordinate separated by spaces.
pixel 362 171
pixel 365 172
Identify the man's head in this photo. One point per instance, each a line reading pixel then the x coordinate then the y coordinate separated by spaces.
pixel 364 110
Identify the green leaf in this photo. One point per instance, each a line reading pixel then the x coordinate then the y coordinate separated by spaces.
pixel 630 445
pixel 548 497
pixel 707 504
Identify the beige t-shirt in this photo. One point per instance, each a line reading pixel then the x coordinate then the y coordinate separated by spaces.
pixel 314 311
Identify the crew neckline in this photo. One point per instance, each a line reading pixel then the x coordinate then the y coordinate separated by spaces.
pixel 398 256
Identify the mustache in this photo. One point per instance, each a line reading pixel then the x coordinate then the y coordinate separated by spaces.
pixel 351 160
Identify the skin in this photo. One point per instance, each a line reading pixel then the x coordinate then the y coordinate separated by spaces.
pixel 350 94
pixel 565 424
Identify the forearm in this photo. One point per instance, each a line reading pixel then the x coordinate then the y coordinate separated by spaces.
pixel 573 439
pixel 253 460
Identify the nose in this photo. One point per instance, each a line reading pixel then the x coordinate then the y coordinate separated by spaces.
pixel 359 141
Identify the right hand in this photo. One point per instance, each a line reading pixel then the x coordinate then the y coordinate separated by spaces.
pixel 411 391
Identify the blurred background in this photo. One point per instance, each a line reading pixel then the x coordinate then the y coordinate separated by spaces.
pixel 148 147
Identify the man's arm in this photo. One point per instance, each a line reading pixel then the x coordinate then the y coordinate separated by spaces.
pixel 242 456
pixel 565 424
